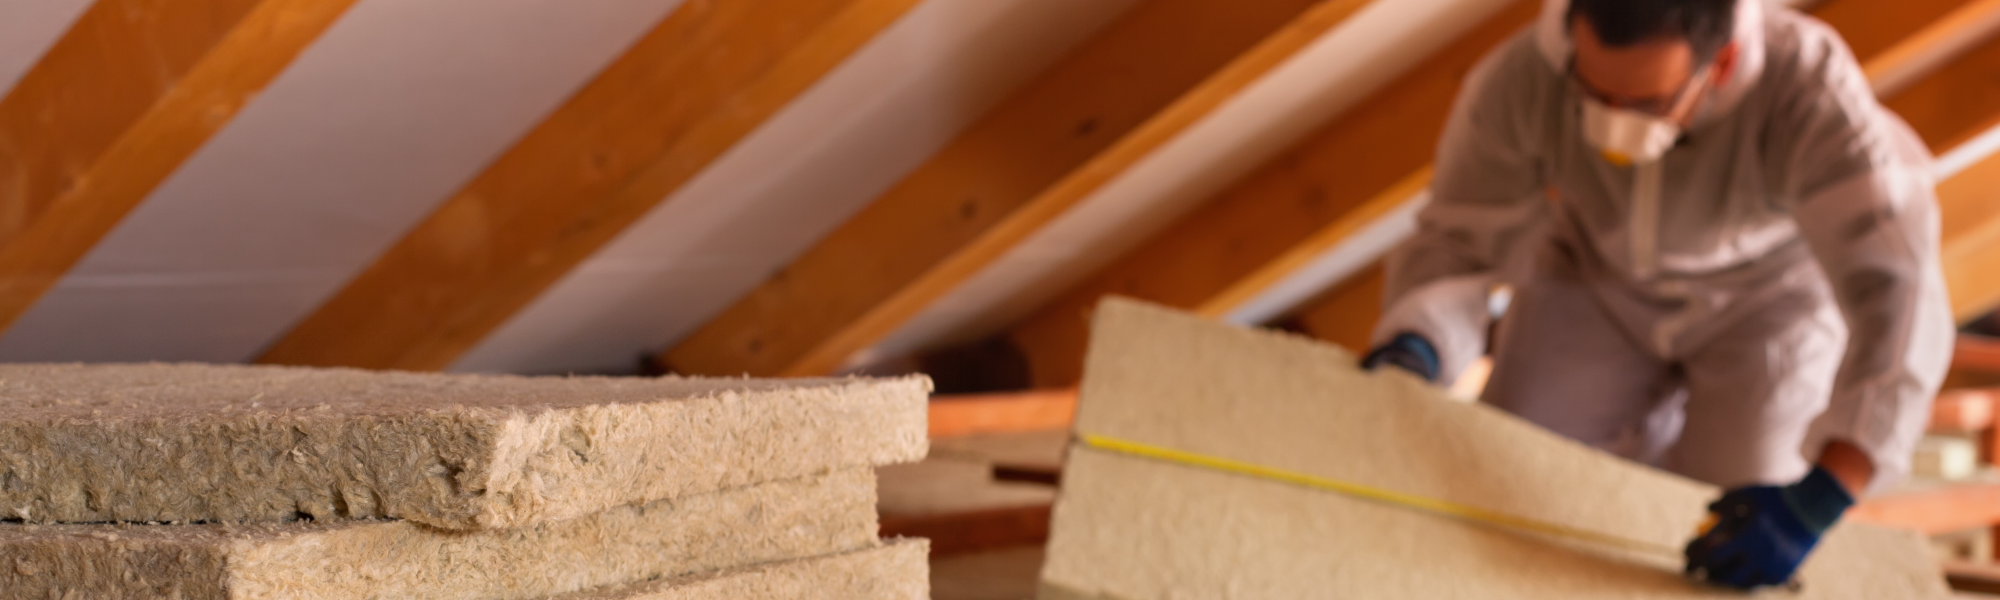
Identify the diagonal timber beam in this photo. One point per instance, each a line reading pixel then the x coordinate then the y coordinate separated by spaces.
pixel 1971 254
pixel 1365 163
pixel 1347 313
pixel 1108 106
pixel 1957 109
pixel 119 102
pixel 700 81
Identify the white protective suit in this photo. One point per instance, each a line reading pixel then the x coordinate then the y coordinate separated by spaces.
pixel 1770 284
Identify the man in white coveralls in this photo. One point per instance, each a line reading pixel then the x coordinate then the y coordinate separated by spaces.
pixel 1710 226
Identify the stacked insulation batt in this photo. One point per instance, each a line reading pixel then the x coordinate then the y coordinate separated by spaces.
pixel 195 481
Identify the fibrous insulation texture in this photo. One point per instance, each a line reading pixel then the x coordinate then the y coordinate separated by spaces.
pixel 242 444
pixel 898 570
pixel 1136 528
pixel 770 522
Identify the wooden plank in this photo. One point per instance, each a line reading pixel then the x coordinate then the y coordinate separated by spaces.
pixel 1978 578
pixel 1921 52
pixel 980 414
pixel 1976 353
pixel 1955 100
pixel 1962 411
pixel 1375 146
pixel 1028 473
pixel 1886 23
pixel 1107 107
pixel 1347 314
pixel 1947 105
pixel 115 106
pixel 1944 509
pixel 962 533
pixel 701 80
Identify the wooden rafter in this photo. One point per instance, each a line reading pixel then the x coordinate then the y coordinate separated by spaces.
pixel 986 414
pixel 1971 254
pixel 1263 208
pixel 115 106
pixel 1109 105
pixel 974 531
pixel 1942 508
pixel 1346 314
pixel 700 81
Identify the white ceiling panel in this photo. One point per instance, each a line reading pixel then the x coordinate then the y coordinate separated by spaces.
pixel 858 132
pixel 396 107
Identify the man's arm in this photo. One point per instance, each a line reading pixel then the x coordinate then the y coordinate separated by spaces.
pixel 1876 237
pixel 1485 196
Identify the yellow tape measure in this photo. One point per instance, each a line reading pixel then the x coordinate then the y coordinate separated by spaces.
pixel 1419 503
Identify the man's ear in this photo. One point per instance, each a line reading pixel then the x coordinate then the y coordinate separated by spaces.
pixel 1725 63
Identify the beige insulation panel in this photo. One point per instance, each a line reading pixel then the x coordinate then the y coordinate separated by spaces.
pixel 1137 528
pixel 242 444
pixel 770 522
pixel 898 570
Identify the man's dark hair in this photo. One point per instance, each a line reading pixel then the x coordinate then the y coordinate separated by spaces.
pixel 1707 25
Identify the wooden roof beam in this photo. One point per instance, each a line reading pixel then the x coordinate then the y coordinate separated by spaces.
pixel 1363 165
pixel 1110 104
pixel 115 106
pixel 700 81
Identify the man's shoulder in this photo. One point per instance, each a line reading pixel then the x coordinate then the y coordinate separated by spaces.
pixel 1517 70
pixel 1807 56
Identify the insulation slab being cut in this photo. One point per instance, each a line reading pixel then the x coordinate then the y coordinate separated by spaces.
pixel 239 444
pixel 898 570
pixel 769 522
pixel 1136 528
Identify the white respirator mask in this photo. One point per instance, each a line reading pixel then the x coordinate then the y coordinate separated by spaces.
pixel 1627 136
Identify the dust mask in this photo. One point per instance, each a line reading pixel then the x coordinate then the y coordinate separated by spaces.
pixel 1627 136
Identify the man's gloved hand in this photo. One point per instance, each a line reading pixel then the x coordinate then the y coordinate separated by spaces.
pixel 1408 351
pixel 1761 533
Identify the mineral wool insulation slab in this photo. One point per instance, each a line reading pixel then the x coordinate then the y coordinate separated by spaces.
pixel 770 522
pixel 1137 528
pixel 898 570
pixel 241 444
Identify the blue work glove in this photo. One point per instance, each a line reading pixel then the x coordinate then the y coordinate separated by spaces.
pixel 1761 533
pixel 1408 351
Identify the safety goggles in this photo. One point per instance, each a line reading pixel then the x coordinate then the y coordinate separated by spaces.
pixel 1664 106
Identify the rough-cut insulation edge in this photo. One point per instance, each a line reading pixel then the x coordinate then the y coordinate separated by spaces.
pixel 454 467
pixel 897 570
pixel 533 454
pixel 771 522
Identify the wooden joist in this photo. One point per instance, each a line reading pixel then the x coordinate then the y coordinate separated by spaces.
pixel 115 106
pixel 1977 578
pixel 1346 314
pixel 700 81
pixel 961 533
pixel 1963 411
pixel 1943 509
pixel 1947 93
pixel 1971 253
pixel 984 414
pixel 1145 79
pixel 1976 353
